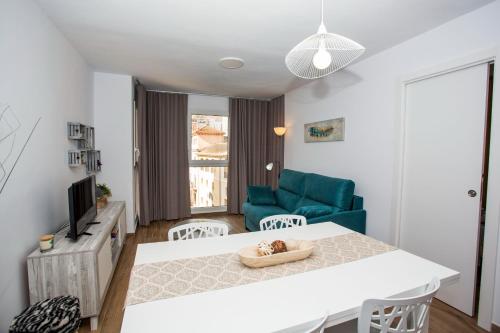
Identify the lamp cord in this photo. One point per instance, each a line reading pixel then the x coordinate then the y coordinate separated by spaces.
pixel 322 8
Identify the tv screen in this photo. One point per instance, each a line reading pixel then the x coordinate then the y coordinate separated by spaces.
pixel 82 206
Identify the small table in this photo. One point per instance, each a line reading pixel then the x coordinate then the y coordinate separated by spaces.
pixel 281 304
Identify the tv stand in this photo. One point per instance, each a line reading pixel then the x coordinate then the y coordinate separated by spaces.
pixel 82 268
pixel 84 232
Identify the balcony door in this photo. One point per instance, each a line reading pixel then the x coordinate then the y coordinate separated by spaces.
pixel 208 166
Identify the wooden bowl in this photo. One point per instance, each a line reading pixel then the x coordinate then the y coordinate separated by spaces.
pixel 297 250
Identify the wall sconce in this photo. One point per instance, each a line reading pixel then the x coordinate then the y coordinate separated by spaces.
pixel 280 131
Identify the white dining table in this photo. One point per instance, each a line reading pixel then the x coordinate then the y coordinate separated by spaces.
pixel 282 304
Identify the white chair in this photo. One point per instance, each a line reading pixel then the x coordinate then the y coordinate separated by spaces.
pixel 198 230
pixel 316 326
pixel 398 315
pixel 319 327
pixel 282 221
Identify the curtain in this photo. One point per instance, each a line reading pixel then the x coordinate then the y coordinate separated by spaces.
pixel 252 145
pixel 163 159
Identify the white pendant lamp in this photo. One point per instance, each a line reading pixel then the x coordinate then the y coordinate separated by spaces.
pixel 322 53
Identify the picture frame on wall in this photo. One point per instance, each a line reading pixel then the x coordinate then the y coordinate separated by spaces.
pixel 325 131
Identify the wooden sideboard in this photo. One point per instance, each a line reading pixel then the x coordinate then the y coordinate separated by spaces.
pixel 82 268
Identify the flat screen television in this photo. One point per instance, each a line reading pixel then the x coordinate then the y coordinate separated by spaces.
pixel 82 206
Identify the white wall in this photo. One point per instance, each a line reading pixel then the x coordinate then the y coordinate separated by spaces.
pixel 368 96
pixel 113 105
pixel 41 76
pixel 204 104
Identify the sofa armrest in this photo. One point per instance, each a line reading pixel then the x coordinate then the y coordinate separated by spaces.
pixel 357 202
pixel 352 219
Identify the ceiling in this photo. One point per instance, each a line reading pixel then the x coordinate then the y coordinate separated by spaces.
pixel 176 44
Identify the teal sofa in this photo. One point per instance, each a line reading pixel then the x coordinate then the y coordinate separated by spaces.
pixel 297 189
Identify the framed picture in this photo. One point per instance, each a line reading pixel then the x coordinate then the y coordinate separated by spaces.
pixel 324 131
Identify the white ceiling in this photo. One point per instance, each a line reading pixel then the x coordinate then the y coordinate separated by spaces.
pixel 176 44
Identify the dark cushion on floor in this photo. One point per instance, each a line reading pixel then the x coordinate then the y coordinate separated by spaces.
pixel 60 314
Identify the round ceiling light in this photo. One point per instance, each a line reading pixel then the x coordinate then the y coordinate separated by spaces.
pixel 231 62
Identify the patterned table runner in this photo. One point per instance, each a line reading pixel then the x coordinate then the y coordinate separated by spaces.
pixel 167 279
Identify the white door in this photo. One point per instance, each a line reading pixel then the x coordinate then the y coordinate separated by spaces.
pixel 442 163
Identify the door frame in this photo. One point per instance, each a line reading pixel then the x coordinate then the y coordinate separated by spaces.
pixel 492 221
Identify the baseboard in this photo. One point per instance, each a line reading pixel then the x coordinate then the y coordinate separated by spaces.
pixel 495 328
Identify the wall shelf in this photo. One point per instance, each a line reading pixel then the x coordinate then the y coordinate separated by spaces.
pixel 85 155
pixel 74 158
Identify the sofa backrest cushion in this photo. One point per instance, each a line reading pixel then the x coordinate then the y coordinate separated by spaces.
pixel 292 181
pixel 308 202
pixel 261 195
pixel 331 191
pixel 285 199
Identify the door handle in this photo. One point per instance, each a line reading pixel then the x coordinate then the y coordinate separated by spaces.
pixel 472 193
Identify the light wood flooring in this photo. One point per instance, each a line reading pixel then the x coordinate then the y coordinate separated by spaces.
pixel 444 319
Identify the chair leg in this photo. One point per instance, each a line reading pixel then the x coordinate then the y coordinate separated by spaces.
pixel 94 322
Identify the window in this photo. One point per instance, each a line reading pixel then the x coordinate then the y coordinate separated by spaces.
pixel 208 162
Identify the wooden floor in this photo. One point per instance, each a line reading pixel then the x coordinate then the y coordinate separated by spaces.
pixel 444 319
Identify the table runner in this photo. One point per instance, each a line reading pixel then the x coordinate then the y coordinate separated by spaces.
pixel 167 279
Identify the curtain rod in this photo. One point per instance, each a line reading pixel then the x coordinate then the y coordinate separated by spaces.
pixel 202 94
pixel 210 95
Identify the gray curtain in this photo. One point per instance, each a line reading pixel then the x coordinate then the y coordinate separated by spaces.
pixel 252 145
pixel 163 161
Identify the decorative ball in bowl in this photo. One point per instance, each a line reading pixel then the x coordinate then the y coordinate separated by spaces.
pixel 276 252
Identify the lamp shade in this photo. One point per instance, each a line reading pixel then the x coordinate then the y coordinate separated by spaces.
pixel 321 54
pixel 280 131
pixel 269 166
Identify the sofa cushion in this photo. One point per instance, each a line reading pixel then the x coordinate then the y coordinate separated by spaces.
pixel 253 214
pixel 287 200
pixel 309 202
pixel 261 195
pixel 292 181
pixel 313 211
pixel 331 191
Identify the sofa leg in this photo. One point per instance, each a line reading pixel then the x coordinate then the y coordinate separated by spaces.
pixel 245 223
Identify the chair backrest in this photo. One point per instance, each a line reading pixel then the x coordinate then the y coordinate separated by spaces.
pixel 319 327
pixel 398 315
pixel 198 230
pixel 282 221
